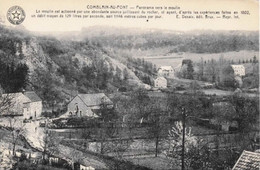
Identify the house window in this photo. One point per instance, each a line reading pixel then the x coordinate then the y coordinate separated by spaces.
pixel 77 108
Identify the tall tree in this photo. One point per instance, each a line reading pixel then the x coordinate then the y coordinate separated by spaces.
pixel 175 143
pixel 17 129
pixel 5 102
pixel 158 125
pixel 246 111
pixel 255 59
pixel 227 77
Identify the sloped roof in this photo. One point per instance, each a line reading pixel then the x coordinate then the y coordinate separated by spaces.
pixel 32 96
pixel 161 78
pixel 166 68
pixel 14 96
pixel 237 66
pixel 95 99
pixel 248 161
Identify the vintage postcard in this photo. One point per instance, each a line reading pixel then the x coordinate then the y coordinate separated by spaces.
pixel 129 85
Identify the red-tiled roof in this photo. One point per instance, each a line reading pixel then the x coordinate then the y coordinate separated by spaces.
pixel 248 161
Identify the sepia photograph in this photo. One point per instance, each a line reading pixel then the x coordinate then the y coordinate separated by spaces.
pixel 129 85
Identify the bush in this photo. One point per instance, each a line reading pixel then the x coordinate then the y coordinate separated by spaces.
pixel 23 157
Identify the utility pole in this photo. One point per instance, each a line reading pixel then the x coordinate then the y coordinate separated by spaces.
pixel 183 138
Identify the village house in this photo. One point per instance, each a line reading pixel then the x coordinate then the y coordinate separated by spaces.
pixel 83 167
pixel 87 104
pixel 239 70
pixel 26 104
pixel 160 82
pixel 248 160
pixel 165 71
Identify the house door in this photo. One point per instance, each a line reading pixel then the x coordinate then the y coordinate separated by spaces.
pixel 25 113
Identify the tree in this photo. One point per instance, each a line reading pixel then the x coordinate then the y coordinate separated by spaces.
pixel 141 104
pixel 17 130
pixel 183 72
pixel 211 71
pixel 107 113
pixel 6 159
pixel 6 102
pixel 48 87
pixel 175 143
pixel 114 140
pixel 246 111
pixel 190 70
pixel 227 78
pixel 255 60
pixel 194 86
pixel 157 125
pixel 119 74
pixel 13 77
pixel 117 148
pixel 75 155
pixel 125 74
pixel 107 130
pixel 187 106
pixel 49 143
pixel 201 69
pixel 126 111
pixel 255 81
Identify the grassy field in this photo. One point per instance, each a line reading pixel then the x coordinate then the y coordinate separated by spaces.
pixel 156 163
pixel 175 59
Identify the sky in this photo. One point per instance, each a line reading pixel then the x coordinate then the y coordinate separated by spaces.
pixel 169 22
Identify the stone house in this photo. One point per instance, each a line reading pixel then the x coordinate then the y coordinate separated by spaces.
pixel 239 70
pixel 87 104
pixel 160 82
pixel 26 104
pixel 165 71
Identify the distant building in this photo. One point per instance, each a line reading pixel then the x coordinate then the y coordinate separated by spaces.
pixel 160 82
pixel 87 104
pixel 239 70
pixel 27 104
pixel 83 167
pixel 248 160
pixel 80 166
pixel 165 71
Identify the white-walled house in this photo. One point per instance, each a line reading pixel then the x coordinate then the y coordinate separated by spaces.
pixel 35 105
pixel 85 104
pixel 165 71
pixel 26 104
pixel 83 167
pixel 160 82
pixel 239 70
